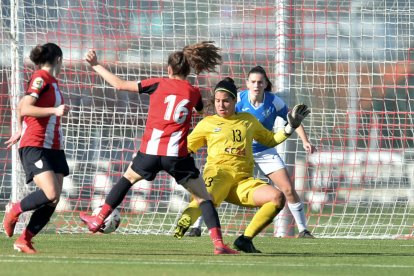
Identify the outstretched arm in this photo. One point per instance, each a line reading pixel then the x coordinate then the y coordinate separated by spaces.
pixel 112 79
pixel 295 118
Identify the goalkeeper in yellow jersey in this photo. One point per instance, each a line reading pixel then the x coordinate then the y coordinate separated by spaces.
pixel 228 173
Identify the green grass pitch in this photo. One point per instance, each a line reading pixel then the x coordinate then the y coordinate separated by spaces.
pixel 115 254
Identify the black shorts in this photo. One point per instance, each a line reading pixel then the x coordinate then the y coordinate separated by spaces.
pixel 181 168
pixel 37 160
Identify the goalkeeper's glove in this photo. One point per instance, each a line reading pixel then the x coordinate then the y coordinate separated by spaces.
pixel 295 117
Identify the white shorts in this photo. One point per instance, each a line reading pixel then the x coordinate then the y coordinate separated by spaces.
pixel 268 161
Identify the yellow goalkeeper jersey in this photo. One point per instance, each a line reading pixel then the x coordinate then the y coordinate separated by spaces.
pixel 229 140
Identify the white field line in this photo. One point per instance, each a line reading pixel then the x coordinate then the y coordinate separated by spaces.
pixel 230 262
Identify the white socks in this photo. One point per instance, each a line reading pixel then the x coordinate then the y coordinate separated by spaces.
pixel 299 214
pixel 198 222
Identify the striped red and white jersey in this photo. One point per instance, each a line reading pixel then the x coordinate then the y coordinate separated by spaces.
pixel 43 132
pixel 169 115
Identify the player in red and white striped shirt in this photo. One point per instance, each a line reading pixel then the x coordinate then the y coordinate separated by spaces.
pixel 41 146
pixel 169 115
pixel 43 132
pixel 164 143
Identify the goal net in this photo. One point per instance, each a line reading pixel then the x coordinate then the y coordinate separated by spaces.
pixel 350 61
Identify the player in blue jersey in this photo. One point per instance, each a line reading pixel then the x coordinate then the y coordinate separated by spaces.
pixel 259 100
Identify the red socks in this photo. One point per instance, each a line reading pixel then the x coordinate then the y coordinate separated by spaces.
pixel 105 212
pixel 16 209
pixel 26 235
pixel 216 237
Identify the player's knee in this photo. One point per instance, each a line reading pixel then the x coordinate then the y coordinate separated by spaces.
pixel 288 191
pixel 206 197
pixel 278 199
pixel 283 201
pixel 132 176
pixel 53 196
pixel 204 200
pixel 54 203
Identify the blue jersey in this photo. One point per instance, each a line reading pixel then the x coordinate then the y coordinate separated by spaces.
pixel 266 112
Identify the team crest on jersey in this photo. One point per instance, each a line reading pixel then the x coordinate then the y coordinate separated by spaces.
pixel 39 164
pixel 266 113
pixel 217 129
pixel 37 83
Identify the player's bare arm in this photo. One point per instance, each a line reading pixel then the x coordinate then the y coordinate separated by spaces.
pixel 28 108
pixel 307 145
pixel 115 81
pixel 16 136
